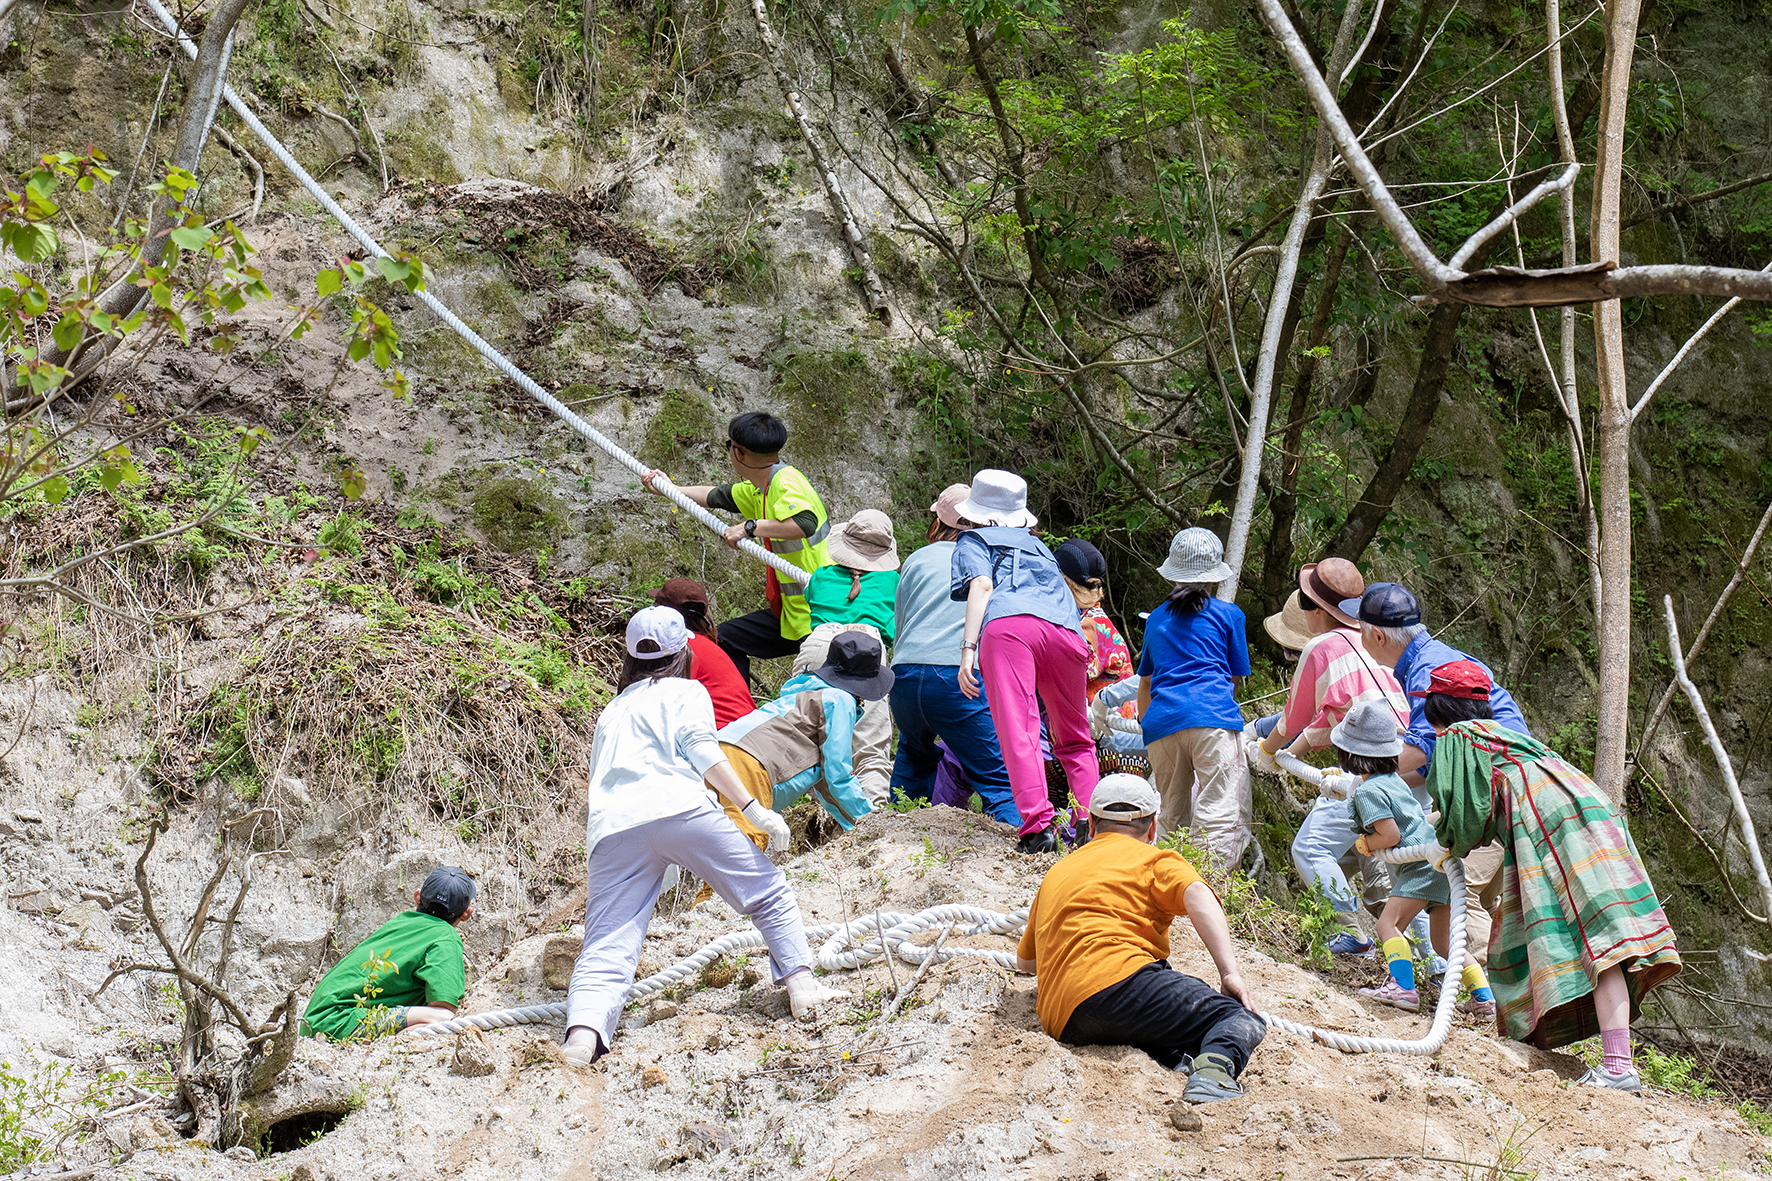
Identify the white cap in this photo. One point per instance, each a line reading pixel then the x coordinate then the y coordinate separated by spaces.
pixel 1123 797
pixel 660 628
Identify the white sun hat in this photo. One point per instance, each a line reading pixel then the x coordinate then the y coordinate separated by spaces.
pixel 998 498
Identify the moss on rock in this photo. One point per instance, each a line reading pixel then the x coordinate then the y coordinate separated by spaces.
pixel 518 514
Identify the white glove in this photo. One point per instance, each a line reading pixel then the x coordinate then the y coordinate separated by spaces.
pixel 1439 860
pixel 1338 787
pixel 1260 759
pixel 1098 718
pixel 773 826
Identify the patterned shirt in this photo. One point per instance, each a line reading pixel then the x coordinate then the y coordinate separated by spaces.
pixel 1110 660
pixel 1335 673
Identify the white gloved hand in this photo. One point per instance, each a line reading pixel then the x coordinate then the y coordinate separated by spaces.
pixel 1260 759
pixel 1439 860
pixel 1098 718
pixel 1338 787
pixel 773 826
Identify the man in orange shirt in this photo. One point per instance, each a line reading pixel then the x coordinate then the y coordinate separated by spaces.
pixel 1098 938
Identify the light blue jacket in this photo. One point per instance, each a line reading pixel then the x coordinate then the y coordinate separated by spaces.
pixel 805 739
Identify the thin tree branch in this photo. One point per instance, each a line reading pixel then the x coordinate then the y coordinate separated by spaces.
pixel 1716 613
pixel 1668 369
pixel 1697 199
pixel 1742 817
pixel 1513 213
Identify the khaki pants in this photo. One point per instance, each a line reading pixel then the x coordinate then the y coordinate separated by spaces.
pixel 1482 891
pixel 872 757
pixel 1203 781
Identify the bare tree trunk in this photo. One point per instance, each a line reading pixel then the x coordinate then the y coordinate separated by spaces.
pixel 1614 421
pixel 852 235
pixel 1236 541
pixel 1567 388
pixel 193 130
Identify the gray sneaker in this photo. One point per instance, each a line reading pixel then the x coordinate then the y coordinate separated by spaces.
pixel 1598 1076
pixel 1202 1088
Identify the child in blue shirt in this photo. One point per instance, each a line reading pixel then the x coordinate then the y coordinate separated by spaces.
pixel 1384 809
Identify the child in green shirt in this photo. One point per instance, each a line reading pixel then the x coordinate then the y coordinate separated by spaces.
pixel 411 972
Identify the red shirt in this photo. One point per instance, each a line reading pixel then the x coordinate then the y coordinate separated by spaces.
pixel 720 677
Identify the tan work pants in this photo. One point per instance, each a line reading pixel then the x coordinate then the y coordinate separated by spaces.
pixel 1482 892
pixel 1203 781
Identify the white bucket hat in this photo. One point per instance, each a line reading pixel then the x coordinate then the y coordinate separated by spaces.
pixel 1196 555
pixel 998 498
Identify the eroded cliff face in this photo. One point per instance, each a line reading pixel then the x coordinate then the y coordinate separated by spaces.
pixel 697 271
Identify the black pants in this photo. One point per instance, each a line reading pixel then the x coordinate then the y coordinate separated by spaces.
pixel 1169 1015
pixel 757 634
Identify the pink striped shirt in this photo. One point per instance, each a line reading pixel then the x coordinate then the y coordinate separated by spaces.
pixel 1334 673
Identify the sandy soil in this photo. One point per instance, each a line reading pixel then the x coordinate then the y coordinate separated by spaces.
pixel 714 1080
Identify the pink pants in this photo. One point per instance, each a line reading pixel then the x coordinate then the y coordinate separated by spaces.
pixel 1021 656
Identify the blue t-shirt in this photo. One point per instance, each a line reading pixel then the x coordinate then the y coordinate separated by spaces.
pixel 1024 576
pixel 1190 658
pixel 930 625
pixel 1415 669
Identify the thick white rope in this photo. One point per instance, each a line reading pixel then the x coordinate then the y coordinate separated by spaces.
pixel 781 565
pixel 842 946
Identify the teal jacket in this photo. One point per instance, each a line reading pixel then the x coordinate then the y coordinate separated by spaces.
pixel 805 739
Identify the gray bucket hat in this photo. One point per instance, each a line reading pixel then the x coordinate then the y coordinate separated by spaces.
pixel 1196 555
pixel 1370 728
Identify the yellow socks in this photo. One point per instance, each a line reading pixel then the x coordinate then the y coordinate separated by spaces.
pixel 1400 959
pixel 1475 980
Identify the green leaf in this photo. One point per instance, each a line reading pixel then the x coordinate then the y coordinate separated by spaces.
pixel 68 331
pixel 55 489
pixel 192 237
pixel 393 270
pixel 352 482
pixel 327 282
pixel 110 477
pixel 32 243
pixel 251 437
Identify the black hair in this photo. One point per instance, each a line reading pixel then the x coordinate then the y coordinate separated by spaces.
pixel 1443 710
pixel 1308 603
pixel 634 668
pixel 758 432
pixel 695 615
pixel 1355 764
pixel 1188 597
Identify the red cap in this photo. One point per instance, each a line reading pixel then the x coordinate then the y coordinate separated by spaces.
pixel 1459 678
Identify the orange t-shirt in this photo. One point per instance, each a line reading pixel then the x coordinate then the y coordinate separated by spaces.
pixel 1101 914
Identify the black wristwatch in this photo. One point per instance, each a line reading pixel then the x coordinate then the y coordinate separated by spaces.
pixel 750 528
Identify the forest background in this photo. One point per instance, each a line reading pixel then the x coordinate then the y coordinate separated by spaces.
pixel 1082 256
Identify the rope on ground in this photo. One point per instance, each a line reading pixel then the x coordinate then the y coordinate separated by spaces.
pixel 842 946
pixel 847 945
pixel 528 384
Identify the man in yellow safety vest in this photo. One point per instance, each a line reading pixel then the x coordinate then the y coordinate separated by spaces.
pixel 781 511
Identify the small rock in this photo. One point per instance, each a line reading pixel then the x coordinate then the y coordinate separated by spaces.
pixel 87 916
pixel 751 976
pixel 661 1010
pixel 653 1076
pixel 707 1139
pixel 1443 1097
pixel 27 815
pixel 1185 1118
pixel 240 1152
pixel 473 1055
pixel 714 1041
pixel 302 1173
pixel 557 960
pixel 575 1120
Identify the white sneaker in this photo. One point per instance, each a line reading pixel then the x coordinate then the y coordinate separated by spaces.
pixel 1599 1076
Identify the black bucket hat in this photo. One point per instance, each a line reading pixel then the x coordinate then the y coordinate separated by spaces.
pixel 855 665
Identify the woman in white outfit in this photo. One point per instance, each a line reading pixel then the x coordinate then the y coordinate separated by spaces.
pixel 654 757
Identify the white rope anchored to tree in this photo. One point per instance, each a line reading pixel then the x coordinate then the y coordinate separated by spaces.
pixel 559 409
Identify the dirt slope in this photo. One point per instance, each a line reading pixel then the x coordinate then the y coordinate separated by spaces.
pixel 715 1081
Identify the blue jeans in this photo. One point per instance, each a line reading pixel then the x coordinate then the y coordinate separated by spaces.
pixel 1323 840
pixel 927 704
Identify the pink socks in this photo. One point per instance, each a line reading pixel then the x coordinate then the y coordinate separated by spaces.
pixel 1615 1057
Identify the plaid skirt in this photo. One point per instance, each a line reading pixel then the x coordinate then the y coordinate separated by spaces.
pixel 1575 900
